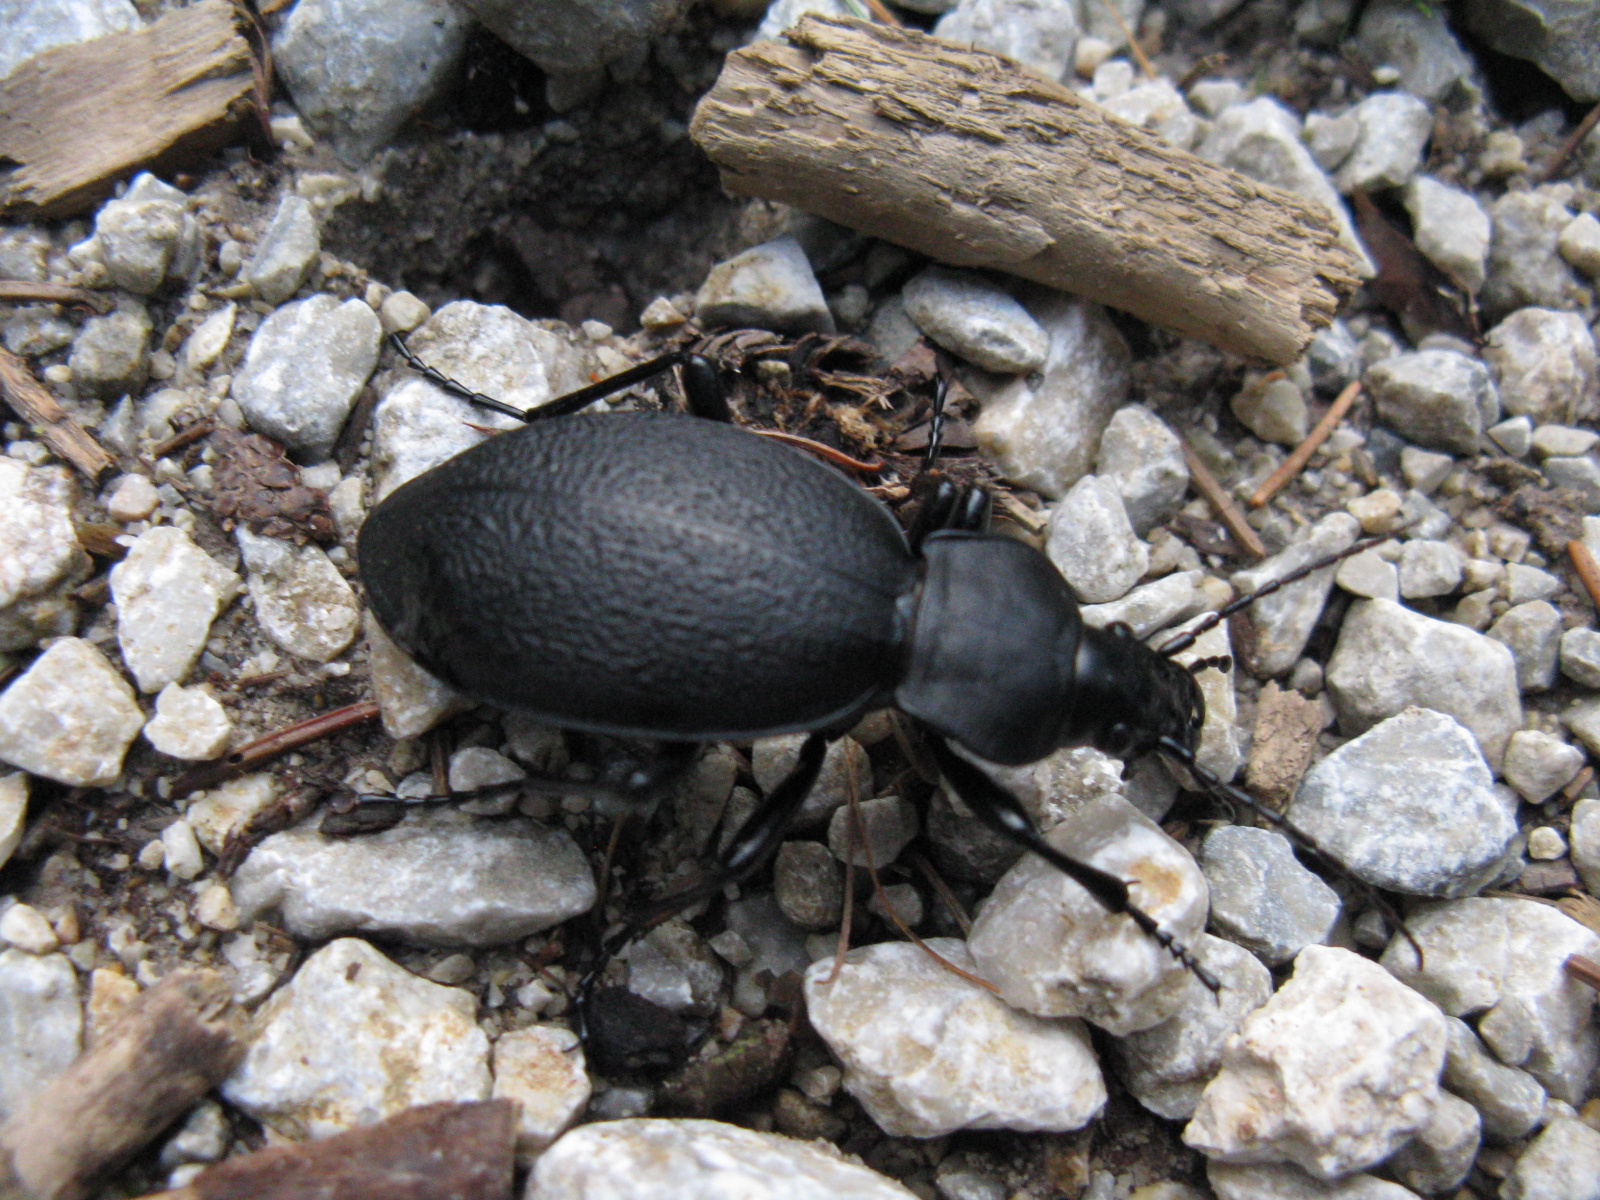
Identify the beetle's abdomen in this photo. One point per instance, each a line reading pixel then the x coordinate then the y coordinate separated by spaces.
pixel 646 574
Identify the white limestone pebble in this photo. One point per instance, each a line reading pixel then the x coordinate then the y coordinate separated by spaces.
pixel 189 723
pixel 1583 834
pixel 1441 1154
pixel 352 1039
pixel 410 700
pixel 655 1159
pixel 1391 130
pixel 1389 658
pixel 770 286
pixel 1283 621
pixel 1499 961
pixel 1429 568
pixel 131 498
pixel 13 810
pixel 209 339
pixel 1334 1073
pixel 1546 365
pixel 433 880
pixel 1042 430
pixel 1144 458
pixel 1092 542
pixel 975 319
pixel 1042 34
pixel 301 600
pixel 39 553
pixel 1509 1101
pixel 1167 1066
pixel 1539 764
pixel 147 236
pixel 927 1052
pixel 1580 243
pixel 70 717
pixel 541 1067
pixel 1451 228
pixel 216 813
pixel 1261 897
pixel 1410 806
pixel 41 1023
pixel 1369 575
pixel 1437 399
pixel 1156 605
pixel 846 771
pixel 24 927
pixel 167 591
pixel 181 851
pixel 306 364
pixel 287 252
pixel 1054 950
pixel 1562 1163
pixel 1284 1181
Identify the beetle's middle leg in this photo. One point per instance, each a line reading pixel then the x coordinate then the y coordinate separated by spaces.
pixel 1001 811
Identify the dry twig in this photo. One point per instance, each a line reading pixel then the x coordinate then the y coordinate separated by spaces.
pixel 29 399
pixel 1292 465
pixel 1222 504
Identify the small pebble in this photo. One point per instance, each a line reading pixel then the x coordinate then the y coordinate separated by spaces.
pixel 1546 844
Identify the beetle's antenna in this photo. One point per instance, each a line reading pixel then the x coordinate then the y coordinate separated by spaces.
pixel 559 407
pixel 1188 638
pixel 1214 784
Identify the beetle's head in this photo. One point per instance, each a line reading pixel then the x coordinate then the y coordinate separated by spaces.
pixel 1128 697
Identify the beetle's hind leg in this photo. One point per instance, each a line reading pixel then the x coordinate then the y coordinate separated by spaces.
pixel 1001 811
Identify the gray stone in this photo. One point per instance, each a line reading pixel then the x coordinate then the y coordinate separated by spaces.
pixel 34 330
pixel 897 902
pixel 1579 244
pixel 1042 430
pixel 1275 411
pixel 1092 543
pixel 1440 1156
pixel 1525 263
pixel 359 69
pixel 1054 950
pixel 1436 398
pixel 1580 656
pixel 1559 35
pixel 1429 568
pixel 1282 622
pixel 1410 806
pixel 1392 129
pixel 1369 575
pixel 669 1159
pixel 40 558
pixel 34 26
pixel 1510 1102
pixel 891 331
pixel 1334 1073
pixel 770 286
pixel 1563 441
pixel 305 366
pixel 1333 358
pixel 1563 1162
pixel 674 967
pixel 974 319
pixel 111 353
pixel 204 1136
pixel 167 591
pixel 70 717
pixel 23 926
pixel 1450 227
pixel 565 38
pixel 352 1039
pixel 1538 764
pixel 41 1023
pixel 1514 436
pixel 888 823
pixel 1262 140
pixel 927 1052
pixel 1532 630
pixel 1167 1066
pixel 301 601
pixel 1210 96
pixel 1580 475
pixel 148 236
pixel 1500 961
pixel 1220 750
pixel 448 880
pixel 286 254
pixel 1037 33
pixel 13 810
pixel 1547 368
pixel 1584 841
pixel 1418 43
pixel 1285 1181
pixel 1389 658
pixel 24 249
pixel 1524 583
pixel 1153 606
pixel 808 884
pixel 782 14
pixel 541 1067
pixel 1330 139
pixel 1423 469
pixel 1157 107
pixel 1144 458
pixel 189 723
pixel 1261 897
pixel 410 700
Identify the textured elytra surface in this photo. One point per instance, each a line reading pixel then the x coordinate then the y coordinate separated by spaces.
pixel 643 573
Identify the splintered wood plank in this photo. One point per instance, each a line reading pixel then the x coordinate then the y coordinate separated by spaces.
pixel 76 119
pixel 968 157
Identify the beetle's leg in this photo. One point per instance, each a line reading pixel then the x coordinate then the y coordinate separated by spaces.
pixel 1003 812
pixel 941 389
pixel 702 389
pixel 755 842
pixel 951 506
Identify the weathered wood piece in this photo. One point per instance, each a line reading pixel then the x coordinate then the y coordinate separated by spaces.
pixel 974 160
pixel 174 1043
pixel 444 1151
pixel 30 401
pixel 78 118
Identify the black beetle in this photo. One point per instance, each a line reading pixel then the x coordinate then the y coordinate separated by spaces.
pixel 665 576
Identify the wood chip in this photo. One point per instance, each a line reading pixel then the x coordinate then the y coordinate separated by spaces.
pixel 78 118
pixel 30 401
pixel 966 156
pixel 1287 725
